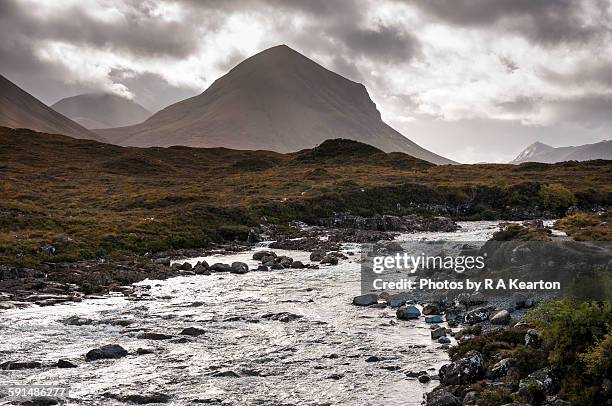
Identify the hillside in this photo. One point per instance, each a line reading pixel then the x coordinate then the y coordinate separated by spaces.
pixel 539 152
pixel 19 109
pixel 91 199
pixel 276 100
pixel 101 110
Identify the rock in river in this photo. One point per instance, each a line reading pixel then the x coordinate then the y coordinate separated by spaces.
pixel 192 331
pixel 154 336
pixel 110 351
pixel 477 315
pixel 433 319
pixel 259 255
pixel 365 300
pixel 407 312
pixel 239 268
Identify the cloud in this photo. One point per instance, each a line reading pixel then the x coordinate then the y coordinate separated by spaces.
pixel 546 22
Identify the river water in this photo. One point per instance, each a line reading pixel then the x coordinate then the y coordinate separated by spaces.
pixel 317 359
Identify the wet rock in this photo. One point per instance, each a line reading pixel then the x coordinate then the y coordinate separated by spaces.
pixel 111 351
pixel 329 260
pixel 396 300
pixel 437 333
pixel 477 315
pixel 432 309
pixel 335 377
pixel 202 268
pixel 444 340
pixel 226 374
pixel 140 398
pixel 145 351
pixel 502 317
pixel 239 268
pixel 185 266
pixel 414 374
pixel 259 255
pixel 77 321
pixel 277 267
pixel 317 256
pixel 219 267
pixel 284 317
pixel 365 300
pixel 192 331
pixel 285 261
pixel 17 365
pixel 40 401
pixel 407 312
pixel 433 319
pixel 62 363
pixel 465 371
pixel 263 268
pixel 154 336
pixel 372 358
pixel 162 261
pixel 424 378
pixel 297 265
pixel 442 397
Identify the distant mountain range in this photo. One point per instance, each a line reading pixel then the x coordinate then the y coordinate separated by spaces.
pixel 101 110
pixel 276 100
pixel 19 109
pixel 539 152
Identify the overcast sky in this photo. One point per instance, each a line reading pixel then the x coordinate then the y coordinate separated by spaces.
pixel 473 80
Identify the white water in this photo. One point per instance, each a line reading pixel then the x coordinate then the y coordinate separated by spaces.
pixel 279 363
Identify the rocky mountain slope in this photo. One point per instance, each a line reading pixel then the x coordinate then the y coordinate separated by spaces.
pixel 538 152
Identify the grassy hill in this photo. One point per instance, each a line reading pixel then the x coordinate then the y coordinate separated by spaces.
pixel 90 199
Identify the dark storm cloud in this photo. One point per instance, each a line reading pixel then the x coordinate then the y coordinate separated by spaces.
pixel 547 22
pixel 138 31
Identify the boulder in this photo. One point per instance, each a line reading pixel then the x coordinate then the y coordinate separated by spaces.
pixel 432 309
pixel 329 260
pixel 433 319
pixel 438 332
pixel 62 363
pixel 502 317
pixel 521 301
pixel 477 315
pixel 154 336
pixel 219 267
pixel 111 351
pixel 192 331
pixel 395 300
pixel 317 256
pixel 407 312
pixel 365 300
pixel 424 378
pixel 464 371
pixel 17 365
pixel 297 265
pixel 262 268
pixel 201 269
pixel 501 368
pixel 442 397
pixel 239 268
pixel 259 255
pixel 185 266
pixel 444 340
pixel 285 261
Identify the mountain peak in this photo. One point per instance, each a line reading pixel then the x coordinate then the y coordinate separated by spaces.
pixel 279 100
pixel 102 110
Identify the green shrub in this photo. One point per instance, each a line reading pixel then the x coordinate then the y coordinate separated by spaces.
pixel 556 197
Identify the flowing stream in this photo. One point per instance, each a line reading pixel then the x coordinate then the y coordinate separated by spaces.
pixel 242 358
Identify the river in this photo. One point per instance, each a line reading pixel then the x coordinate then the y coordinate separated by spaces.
pixel 242 358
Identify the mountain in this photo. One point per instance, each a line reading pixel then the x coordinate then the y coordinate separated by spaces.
pixel 539 152
pixel 102 110
pixel 19 109
pixel 276 100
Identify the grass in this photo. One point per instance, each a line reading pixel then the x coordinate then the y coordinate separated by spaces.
pixel 97 200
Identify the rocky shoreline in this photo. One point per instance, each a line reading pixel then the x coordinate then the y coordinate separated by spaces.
pixel 53 283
